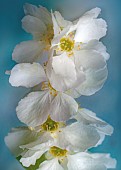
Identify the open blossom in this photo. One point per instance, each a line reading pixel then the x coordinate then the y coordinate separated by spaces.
pixel 34 109
pixel 38 22
pixel 62 159
pixel 79 53
pixel 75 137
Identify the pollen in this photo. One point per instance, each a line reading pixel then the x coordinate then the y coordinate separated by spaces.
pixel 66 44
pixel 58 152
pixel 48 36
pixel 50 125
pixel 53 92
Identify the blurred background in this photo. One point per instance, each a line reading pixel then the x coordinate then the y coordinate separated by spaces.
pixel 106 103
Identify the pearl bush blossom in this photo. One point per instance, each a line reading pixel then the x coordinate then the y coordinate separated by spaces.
pixel 65 60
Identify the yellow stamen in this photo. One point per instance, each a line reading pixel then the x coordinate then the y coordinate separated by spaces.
pixel 50 125
pixel 53 92
pixel 58 152
pixel 66 44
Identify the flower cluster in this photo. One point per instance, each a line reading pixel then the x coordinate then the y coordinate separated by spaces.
pixel 63 61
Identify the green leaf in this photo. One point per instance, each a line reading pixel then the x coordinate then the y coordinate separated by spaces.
pixel 36 166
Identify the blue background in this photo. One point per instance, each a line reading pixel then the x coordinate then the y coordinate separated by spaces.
pixel 106 103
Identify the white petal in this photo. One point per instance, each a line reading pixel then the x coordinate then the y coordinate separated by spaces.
pixel 28 51
pixel 105 159
pixel 61 21
pixel 27 75
pixel 84 161
pixel 33 110
pixel 50 165
pixel 94 67
pixel 55 25
pixel 90 30
pixel 41 13
pixel 88 117
pixel 97 46
pixel 30 157
pixel 18 137
pixel 93 13
pixel 78 137
pixel 44 140
pixel 89 59
pixel 63 65
pixel 33 25
pixel 61 72
pixel 63 107
pixel 94 82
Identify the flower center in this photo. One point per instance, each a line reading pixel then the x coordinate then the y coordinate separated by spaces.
pixel 66 44
pixel 50 125
pixel 58 152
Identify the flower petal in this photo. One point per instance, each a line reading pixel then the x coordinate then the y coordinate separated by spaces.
pixel 90 29
pixel 93 13
pixel 30 157
pixel 44 140
pixel 28 51
pixel 87 161
pixel 42 13
pixel 78 137
pixel 95 69
pixel 61 72
pixel 17 137
pixel 27 75
pixel 105 159
pixel 83 161
pixel 89 118
pixel 33 110
pixel 97 46
pixel 63 65
pixel 63 107
pixel 61 21
pixel 89 59
pixel 33 25
pixel 55 25
pixel 50 164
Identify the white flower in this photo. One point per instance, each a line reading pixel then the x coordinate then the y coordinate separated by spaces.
pixel 34 109
pixel 38 22
pixel 58 158
pixel 85 60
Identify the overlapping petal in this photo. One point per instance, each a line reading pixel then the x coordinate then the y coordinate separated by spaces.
pixel 41 13
pixel 89 118
pixel 78 137
pixel 33 110
pixel 51 164
pixel 28 51
pixel 87 161
pixel 19 136
pixel 27 75
pixel 89 27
